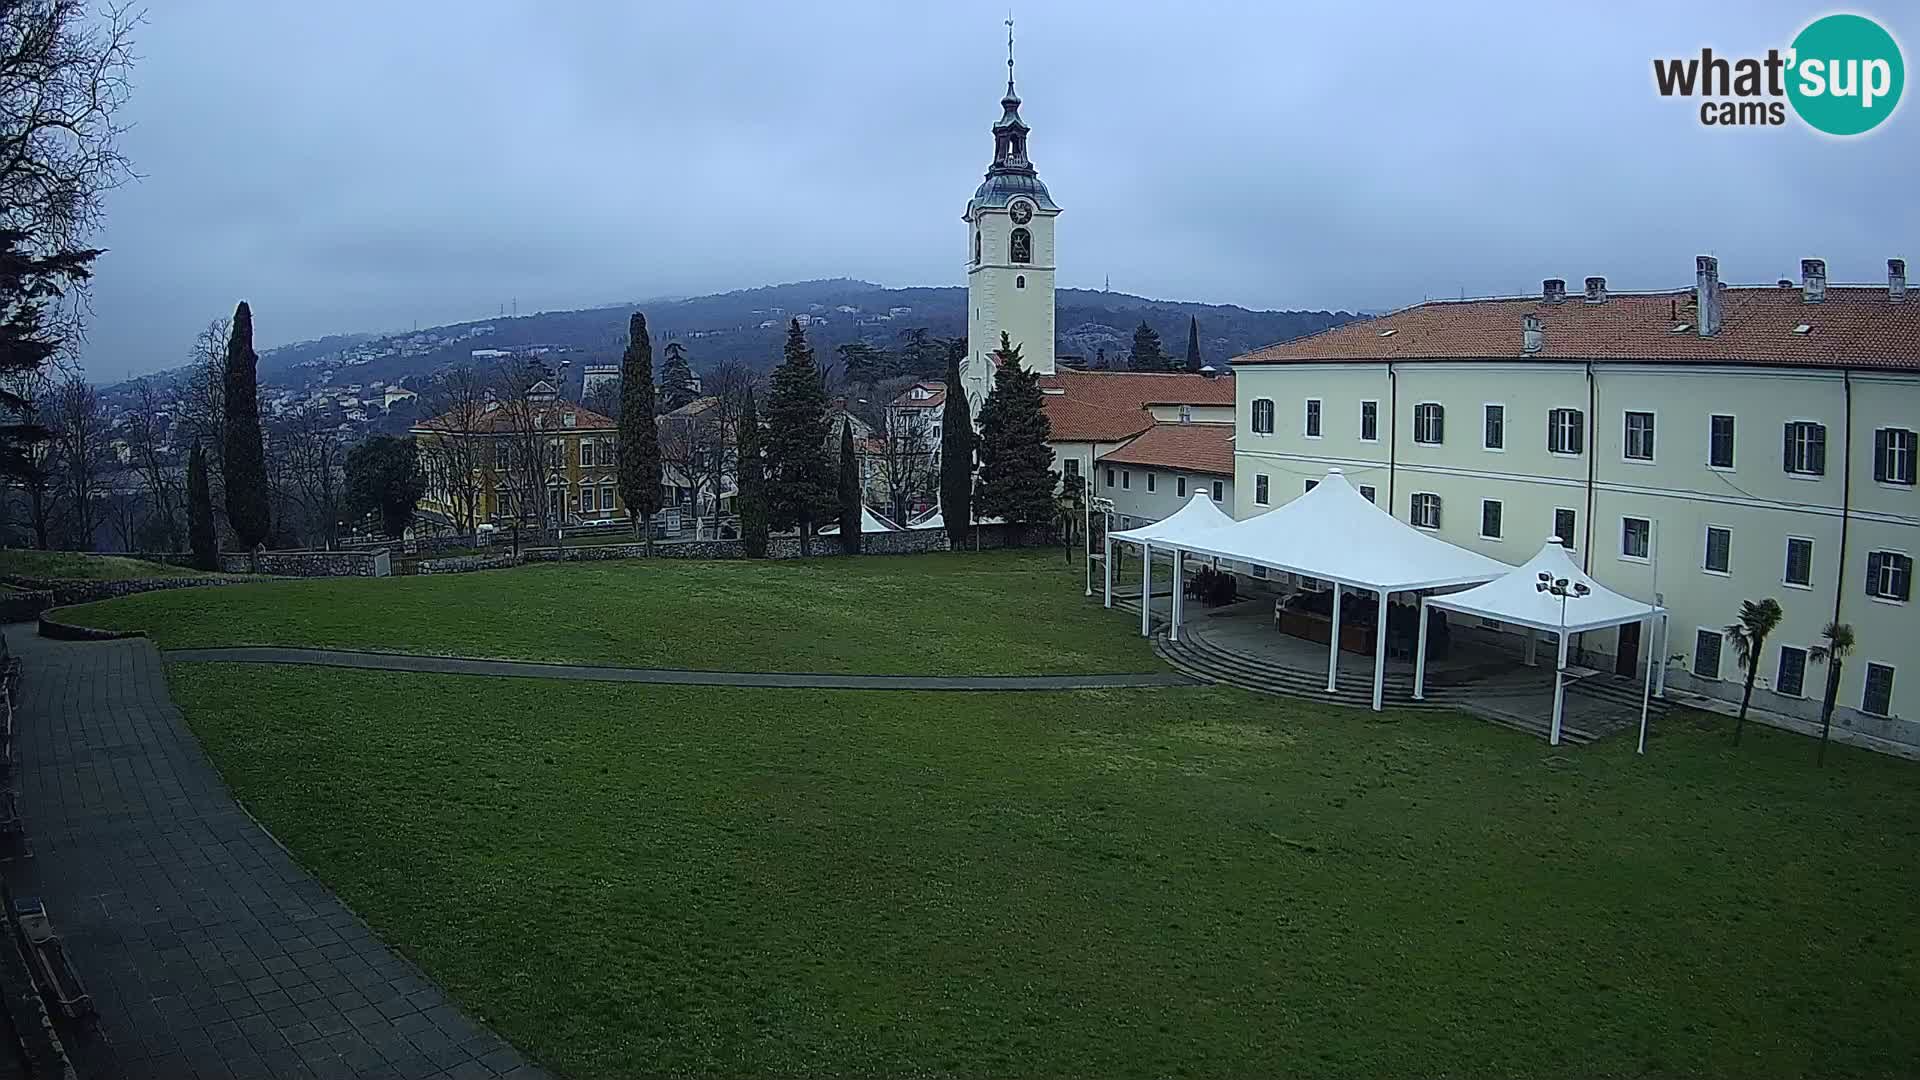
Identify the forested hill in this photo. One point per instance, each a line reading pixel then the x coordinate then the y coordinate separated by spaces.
pixel 750 325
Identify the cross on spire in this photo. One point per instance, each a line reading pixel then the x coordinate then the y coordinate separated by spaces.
pixel 1009 54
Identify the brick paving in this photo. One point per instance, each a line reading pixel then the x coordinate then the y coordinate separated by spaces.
pixel 208 951
pixel 459 665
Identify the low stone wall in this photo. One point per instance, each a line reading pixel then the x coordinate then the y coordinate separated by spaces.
pixel 51 627
pixel 308 564
pixel 903 542
pixel 73 591
pixel 461 564
pixel 24 605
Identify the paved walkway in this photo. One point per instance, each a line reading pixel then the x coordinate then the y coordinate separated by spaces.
pixel 208 951
pixel 454 665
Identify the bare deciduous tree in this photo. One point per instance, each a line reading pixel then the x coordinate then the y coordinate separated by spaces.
pixel 695 450
pixel 314 476
pixel 160 475
pixel 79 458
pixel 456 455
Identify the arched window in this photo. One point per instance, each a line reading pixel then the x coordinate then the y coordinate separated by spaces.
pixel 1020 282
pixel 1022 246
pixel 976 247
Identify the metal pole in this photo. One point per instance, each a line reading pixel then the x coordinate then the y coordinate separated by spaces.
pixel 1559 682
pixel 1179 594
pixel 1333 644
pixel 1086 508
pixel 1106 567
pixel 1380 654
pixel 1646 689
pixel 1420 657
pixel 1146 590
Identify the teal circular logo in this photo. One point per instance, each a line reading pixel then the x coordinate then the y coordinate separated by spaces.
pixel 1846 74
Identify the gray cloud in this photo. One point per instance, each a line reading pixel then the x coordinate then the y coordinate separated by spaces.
pixel 356 166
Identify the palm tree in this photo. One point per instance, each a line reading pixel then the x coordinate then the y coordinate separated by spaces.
pixel 1838 638
pixel 1749 637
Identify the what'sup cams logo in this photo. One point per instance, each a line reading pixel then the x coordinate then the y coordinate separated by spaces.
pixel 1842 76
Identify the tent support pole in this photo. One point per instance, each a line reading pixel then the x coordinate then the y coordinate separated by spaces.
pixel 1146 590
pixel 1380 654
pixel 1179 591
pixel 1333 644
pixel 1420 657
pixel 1559 690
pixel 1646 688
pixel 1106 568
pixel 1660 676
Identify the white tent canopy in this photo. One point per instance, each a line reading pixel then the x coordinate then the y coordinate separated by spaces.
pixel 1192 523
pixel 1331 532
pixel 870 522
pixel 1549 592
pixel 937 520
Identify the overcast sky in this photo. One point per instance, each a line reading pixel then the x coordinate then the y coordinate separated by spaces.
pixel 356 166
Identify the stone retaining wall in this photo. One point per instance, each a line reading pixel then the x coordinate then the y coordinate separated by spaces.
pixel 299 564
pixel 25 605
pixel 904 542
pixel 73 591
pixel 461 564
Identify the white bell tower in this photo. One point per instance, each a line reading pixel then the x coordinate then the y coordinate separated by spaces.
pixel 1009 254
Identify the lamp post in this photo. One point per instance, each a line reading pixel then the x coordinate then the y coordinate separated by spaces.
pixel 1561 588
pixel 1105 508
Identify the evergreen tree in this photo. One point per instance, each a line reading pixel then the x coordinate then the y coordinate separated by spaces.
pixel 956 451
pixel 1194 363
pixel 1016 479
pixel 200 531
pixel 752 485
pixel 1146 354
pixel 800 487
pixel 639 436
pixel 676 378
pixel 28 284
pixel 384 477
pixel 244 461
pixel 850 500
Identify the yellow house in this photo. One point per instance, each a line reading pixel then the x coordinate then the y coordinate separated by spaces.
pixel 539 459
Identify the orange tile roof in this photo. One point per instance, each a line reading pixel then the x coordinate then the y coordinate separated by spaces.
pixel 936 399
pixel 1108 406
pixel 1855 326
pixel 1202 448
pixel 498 421
pixel 1072 420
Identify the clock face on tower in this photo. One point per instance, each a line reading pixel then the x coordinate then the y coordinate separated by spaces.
pixel 1022 211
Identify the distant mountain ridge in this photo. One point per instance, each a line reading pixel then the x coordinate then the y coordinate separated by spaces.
pixel 750 325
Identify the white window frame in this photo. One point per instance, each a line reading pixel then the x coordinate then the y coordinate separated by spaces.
pixel 1313 415
pixel 1126 479
pixel 1150 486
pixel 1626 436
pixel 1370 493
pixel 606 498
pixel 1179 487
pixel 1779 662
pixel 1787 563
pixel 1309 486
pixel 1502 406
pixel 1262 490
pixel 585 501
pixel 1886 576
pixel 1219 491
pixel 1867 679
pixel 1625 556
pixel 1733 449
pixel 1706 549
pixel 1375 437
pixel 1910 450
pixel 1419 520
pixel 1572 543
pixel 1253 418
pixel 1421 423
pixel 1719 656
pixel 1501 535
pixel 1799 474
pixel 1556 430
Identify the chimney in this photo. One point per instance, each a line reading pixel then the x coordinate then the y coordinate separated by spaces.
pixel 1596 290
pixel 1896 280
pixel 1786 283
pixel 1533 334
pixel 1813 280
pixel 1554 290
pixel 1706 294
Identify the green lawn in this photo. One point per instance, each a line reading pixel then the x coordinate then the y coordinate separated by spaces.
pixel 959 613
pixel 78 566
pixel 661 880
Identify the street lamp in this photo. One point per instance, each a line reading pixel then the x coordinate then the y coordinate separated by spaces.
pixel 1105 508
pixel 1561 588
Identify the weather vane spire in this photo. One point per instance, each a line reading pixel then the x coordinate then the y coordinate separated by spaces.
pixel 1009 51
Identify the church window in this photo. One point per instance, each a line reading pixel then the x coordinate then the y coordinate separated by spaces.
pixel 1022 246
pixel 976 247
pixel 1020 282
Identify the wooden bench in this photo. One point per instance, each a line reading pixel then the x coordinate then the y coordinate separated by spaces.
pixel 53 969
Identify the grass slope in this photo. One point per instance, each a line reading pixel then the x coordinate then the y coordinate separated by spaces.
pixel 960 613
pixel 74 565
pixel 660 880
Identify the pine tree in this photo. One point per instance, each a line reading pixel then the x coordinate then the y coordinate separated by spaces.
pixel 1194 363
pixel 850 500
pixel 800 487
pixel 956 451
pixel 205 543
pixel 639 437
pixel 676 378
pixel 29 284
pixel 245 458
pixel 1016 479
pixel 1146 354
pixel 752 484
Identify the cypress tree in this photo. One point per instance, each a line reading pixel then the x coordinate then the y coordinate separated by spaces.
pixel 1194 363
pixel 1017 481
pixel 752 485
pixel 956 451
pixel 800 487
pixel 850 500
pixel 676 378
pixel 205 543
pixel 245 458
pixel 639 436
pixel 1146 354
